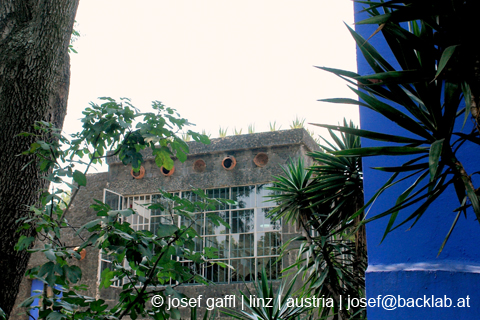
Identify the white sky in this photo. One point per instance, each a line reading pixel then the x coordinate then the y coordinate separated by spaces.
pixel 218 62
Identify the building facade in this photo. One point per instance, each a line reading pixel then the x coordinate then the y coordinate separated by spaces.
pixel 240 168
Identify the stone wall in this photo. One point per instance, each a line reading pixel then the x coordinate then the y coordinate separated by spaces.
pixel 280 146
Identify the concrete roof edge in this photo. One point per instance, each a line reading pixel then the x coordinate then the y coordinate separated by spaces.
pixel 244 142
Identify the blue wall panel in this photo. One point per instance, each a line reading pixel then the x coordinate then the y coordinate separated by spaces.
pixel 406 263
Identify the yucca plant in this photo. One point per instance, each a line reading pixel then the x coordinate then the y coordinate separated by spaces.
pixel 194 314
pixel 269 304
pixel 237 132
pixel 423 97
pixel 297 123
pixel 186 137
pixel 204 132
pixel 251 128
pixel 322 200
pixel 222 133
pixel 273 126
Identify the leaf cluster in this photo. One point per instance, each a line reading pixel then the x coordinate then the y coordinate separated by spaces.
pixel 423 97
pixel 142 262
pixel 322 200
pixel 269 304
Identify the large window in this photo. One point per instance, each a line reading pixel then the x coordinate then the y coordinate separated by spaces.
pixel 251 243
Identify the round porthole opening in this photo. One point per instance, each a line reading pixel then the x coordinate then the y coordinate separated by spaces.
pixel 166 172
pixel 229 163
pixel 199 165
pixel 138 174
pixel 261 159
pixel 82 253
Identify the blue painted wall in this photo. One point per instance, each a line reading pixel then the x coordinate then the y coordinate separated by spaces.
pixel 406 263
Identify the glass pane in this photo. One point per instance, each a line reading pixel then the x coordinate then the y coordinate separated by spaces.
pixel 155 222
pixel 220 243
pixel 268 243
pixel 216 273
pixel 244 270
pixel 211 228
pixel 196 223
pixel 113 200
pixel 266 224
pixel 263 199
pixel 242 245
pixel 221 193
pixel 141 218
pixel 192 196
pixel 129 202
pixel 245 197
pixel 272 268
pixel 198 244
pixel 242 221
pixel 104 264
pixel 167 205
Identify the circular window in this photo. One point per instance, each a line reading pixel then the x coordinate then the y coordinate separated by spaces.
pixel 199 165
pixel 261 159
pixel 167 173
pixel 229 162
pixel 139 174
pixel 82 253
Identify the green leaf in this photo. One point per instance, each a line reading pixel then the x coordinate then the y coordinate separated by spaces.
pixel 56 316
pixel 106 278
pixel 89 225
pixel 370 134
pixel 380 19
pixel 403 168
pixel 199 137
pixel 73 273
pixel 472 196
pixel 395 77
pixel 376 151
pixel 446 55
pixel 166 230
pixel 28 302
pixel 163 158
pixel 394 115
pixel 124 213
pixel 98 305
pixel 449 232
pixel 175 314
pixel 50 255
pixel 169 291
pixel 217 220
pixel 434 157
pixel 80 178
pixel 400 201
pixel 24 242
pixel 467 94
pixel 46 268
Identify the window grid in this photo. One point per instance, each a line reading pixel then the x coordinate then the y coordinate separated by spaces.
pixel 251 242
pixel 115 201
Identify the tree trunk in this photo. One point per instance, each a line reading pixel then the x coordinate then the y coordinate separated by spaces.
pixel 34 82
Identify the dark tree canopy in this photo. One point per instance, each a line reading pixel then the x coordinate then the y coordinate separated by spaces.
pixel 34 83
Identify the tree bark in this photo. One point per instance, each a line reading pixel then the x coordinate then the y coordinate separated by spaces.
pixel 34 82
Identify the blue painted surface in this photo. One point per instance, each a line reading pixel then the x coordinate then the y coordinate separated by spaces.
pixel 37 285
pixel 445 288
pixel 411 255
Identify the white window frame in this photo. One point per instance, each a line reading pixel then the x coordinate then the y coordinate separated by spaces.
pixel 133 201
